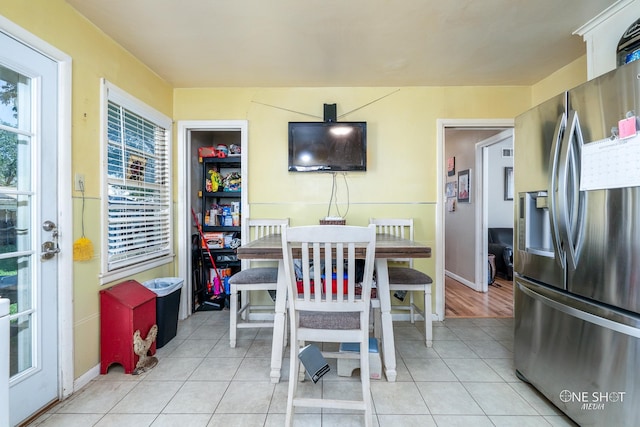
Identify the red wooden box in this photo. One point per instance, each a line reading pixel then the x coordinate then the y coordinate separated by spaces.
pixel 124 308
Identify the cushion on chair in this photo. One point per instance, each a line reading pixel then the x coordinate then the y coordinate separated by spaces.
pixel 255 275
pixel 408 276
pixel 329 320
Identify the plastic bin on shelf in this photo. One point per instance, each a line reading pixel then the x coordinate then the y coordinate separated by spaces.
pixel 167 290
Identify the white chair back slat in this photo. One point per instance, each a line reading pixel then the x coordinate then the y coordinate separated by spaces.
pixel 324 256
pixel 399 227
pixel 259 228
pixel 263 227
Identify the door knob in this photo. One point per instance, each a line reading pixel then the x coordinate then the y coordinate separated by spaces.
pixel 49 225
pixel 49 248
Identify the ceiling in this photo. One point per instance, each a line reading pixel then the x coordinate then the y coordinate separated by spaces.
pixel 334 43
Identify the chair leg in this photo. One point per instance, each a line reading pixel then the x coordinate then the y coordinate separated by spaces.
pixel 245 297
pixel 294 367
pixel 285 338
pixel 412 308
pixel 302 374
pixel 233 315
pixel 365 380
pixel 377 323
pixel 428 320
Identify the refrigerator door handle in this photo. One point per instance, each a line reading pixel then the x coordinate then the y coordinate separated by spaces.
pixel 600 316
pixel 569 200
pixel 553 188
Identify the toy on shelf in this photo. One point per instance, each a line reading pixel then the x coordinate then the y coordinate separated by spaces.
pixel 207 152
pixel 232 182
pixel 214 182
pixel 223 150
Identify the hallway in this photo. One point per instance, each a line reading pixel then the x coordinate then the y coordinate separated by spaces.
pixel 462 301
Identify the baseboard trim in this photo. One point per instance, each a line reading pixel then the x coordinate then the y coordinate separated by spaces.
pixel 86 378
pixel 462 280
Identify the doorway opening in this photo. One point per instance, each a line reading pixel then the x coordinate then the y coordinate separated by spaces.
pixel 470 184
pixel 193 135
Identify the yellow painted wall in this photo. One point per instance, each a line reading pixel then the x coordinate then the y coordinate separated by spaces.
pixel 94 56
pixel 401 141
pixel 565 78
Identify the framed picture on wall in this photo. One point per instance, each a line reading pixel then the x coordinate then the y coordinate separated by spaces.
pixel 508 183
pixel 451 189
pixel 464 186
pixel 451 166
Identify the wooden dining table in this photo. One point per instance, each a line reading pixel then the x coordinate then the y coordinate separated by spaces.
pixel 387 247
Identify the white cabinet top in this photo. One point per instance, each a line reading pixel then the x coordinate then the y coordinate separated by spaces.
pixel 603 33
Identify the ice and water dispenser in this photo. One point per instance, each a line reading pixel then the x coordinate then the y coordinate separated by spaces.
pixel 534 225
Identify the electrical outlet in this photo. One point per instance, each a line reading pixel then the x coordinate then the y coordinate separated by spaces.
pixel 78 182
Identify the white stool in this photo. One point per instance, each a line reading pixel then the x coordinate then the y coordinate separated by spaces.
pixel 347 366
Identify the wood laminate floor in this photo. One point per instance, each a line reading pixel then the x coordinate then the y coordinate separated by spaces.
pixel 462 301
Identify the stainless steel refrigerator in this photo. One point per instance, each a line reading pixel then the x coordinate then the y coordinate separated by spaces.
pixel 577 249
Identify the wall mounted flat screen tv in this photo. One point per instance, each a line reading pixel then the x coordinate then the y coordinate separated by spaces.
pixel 327 146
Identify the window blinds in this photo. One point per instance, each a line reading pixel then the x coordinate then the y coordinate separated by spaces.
pixel 138 183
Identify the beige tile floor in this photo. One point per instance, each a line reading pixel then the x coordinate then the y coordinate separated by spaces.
pixel 466 379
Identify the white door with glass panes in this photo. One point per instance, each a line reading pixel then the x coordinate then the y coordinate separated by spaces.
pixel 28 223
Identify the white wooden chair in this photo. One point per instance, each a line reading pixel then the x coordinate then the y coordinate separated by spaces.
pixel 318 314
pixel 407 280
pixel 253 279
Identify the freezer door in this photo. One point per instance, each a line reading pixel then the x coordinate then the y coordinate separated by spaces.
pixel 607 267
pixel 538 134
pixel 583 357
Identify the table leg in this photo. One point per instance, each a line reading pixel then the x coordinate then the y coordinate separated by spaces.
pixel 279 326
pixel 388 345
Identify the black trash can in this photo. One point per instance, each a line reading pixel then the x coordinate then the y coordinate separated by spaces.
pixel 167 290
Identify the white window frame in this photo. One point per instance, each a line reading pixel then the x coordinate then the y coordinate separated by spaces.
pixel 114 270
